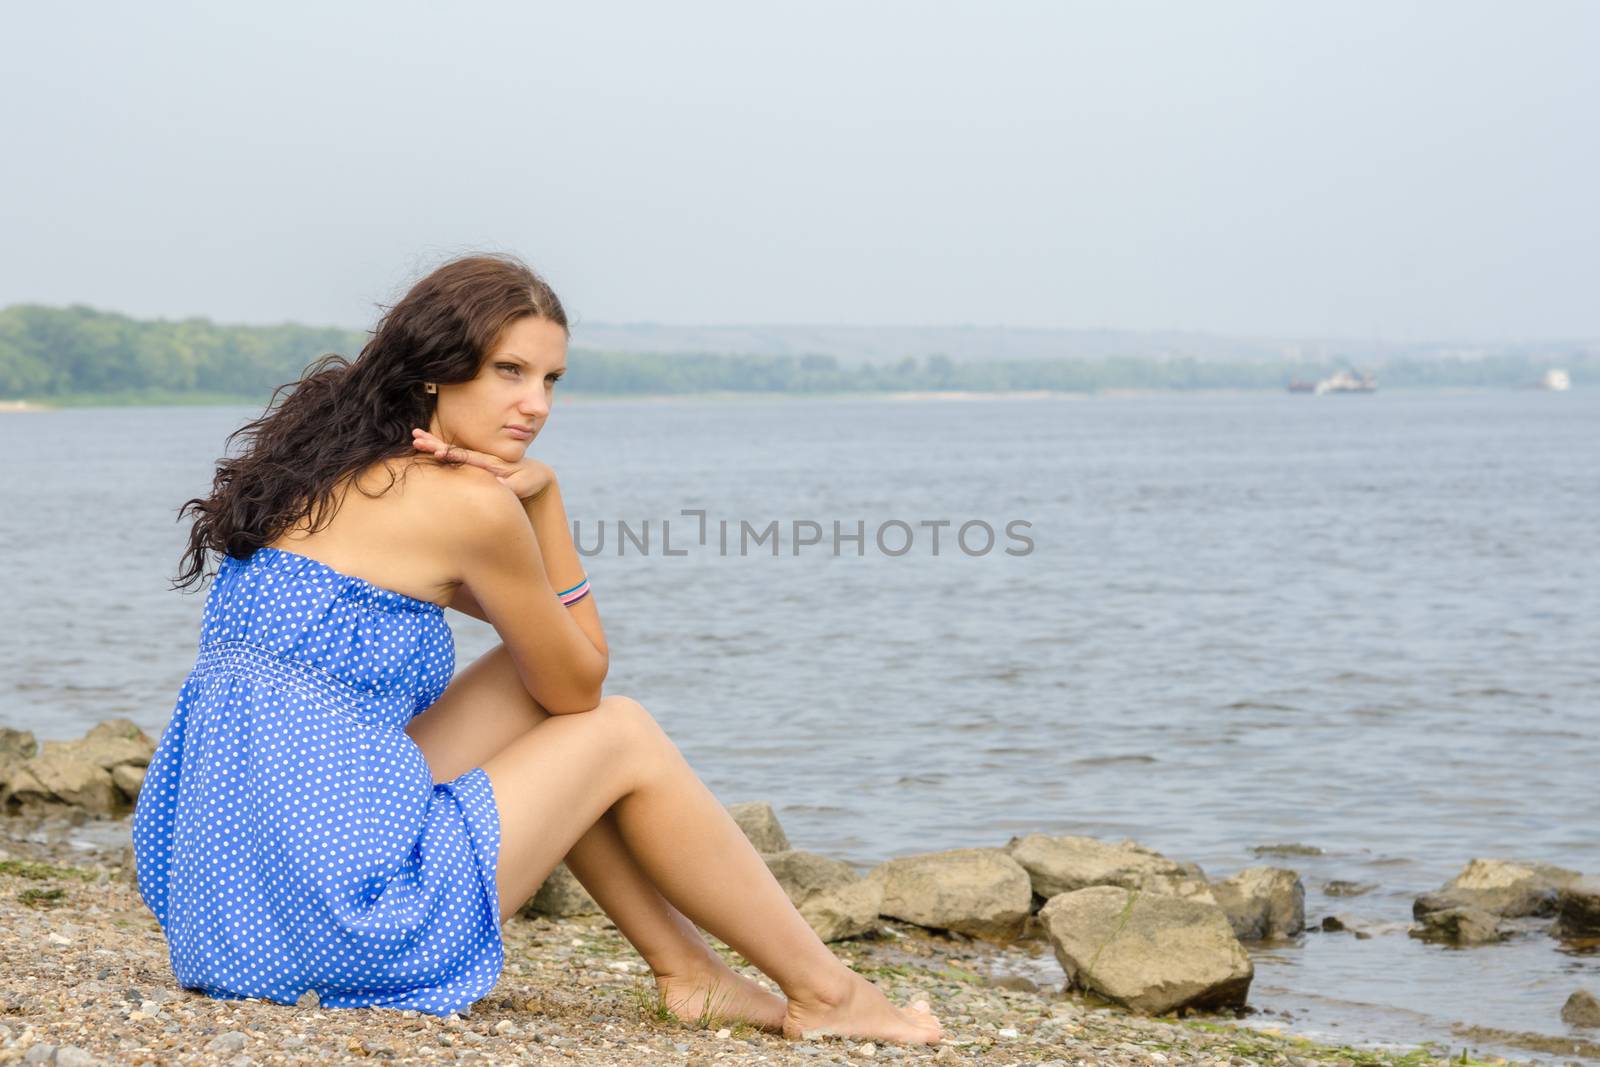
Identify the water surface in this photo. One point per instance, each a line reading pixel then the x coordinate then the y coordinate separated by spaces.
pixel 1366 624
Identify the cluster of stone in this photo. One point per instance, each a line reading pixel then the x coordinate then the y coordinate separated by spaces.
pixel 1127 923
pixel 1480 905
pixel 101 772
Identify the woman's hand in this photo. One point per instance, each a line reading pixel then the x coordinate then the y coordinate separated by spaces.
pixel 527 478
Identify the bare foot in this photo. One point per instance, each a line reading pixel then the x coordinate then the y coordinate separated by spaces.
pixel 862 1011
pixel 720 994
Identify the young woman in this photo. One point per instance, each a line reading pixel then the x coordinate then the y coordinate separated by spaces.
pixel 331 810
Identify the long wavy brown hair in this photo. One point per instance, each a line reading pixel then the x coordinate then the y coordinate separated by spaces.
pixel 340 417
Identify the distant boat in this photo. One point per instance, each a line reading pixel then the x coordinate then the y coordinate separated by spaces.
pixel 1346 382
pixel 1340 382
pixel 1556 380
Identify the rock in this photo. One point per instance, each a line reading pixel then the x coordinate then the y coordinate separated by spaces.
pixel 9 766
pixel 128 778
pixel 40 1053
pixel 58 776
pixel 760 824
pixel 982 892
pixel 1459 926
pixel 309 999
pixel 19 786
pixel 19 744
pixel 561 895
pixel 1290 848
pixel 1062 864
pixel 1581 1009
pixel 1149 952
pixel 1263 903
pixel 115 742
pixel 1340 888
pixel 835 900
pixel 73 1056
pixel 1359 927
pixel 232 1041
pixel 76 773
pixel 1578 909
pixel 1017 983
pixel 1501 887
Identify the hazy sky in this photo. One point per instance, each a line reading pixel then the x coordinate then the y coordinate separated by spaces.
pixel 1381 169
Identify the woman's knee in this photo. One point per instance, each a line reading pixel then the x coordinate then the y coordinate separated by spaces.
pixel 625 716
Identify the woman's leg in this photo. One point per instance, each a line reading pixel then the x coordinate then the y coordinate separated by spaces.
pixel 483 710
pixel 559 778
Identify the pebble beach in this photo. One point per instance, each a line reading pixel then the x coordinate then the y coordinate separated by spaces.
pixel 84 979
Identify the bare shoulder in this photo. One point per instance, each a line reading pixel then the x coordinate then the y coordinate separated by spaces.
pixel 464 504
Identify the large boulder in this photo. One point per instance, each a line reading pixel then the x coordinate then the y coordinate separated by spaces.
pixel 62 776
pixel 560 895
pixel 829 894
pixel 1150 952
pixel 1578 909
pixel 1263 903
pixel 1505 888
pixel 760 824
pixel 981 892
pixel 1062 864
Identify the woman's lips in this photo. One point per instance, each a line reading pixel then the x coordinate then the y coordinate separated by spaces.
pixel 519 433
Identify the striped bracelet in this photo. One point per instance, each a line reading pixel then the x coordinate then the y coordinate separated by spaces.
pixel 576 593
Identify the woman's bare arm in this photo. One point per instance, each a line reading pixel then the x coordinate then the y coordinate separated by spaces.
pixel 547 514
pixel 501 562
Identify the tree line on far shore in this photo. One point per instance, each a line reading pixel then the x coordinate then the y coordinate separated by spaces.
pixel 79 351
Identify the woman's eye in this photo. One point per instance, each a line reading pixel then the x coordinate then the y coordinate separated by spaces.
pixel 509 366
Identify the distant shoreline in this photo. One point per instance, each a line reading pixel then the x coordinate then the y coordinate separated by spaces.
pixel 9 405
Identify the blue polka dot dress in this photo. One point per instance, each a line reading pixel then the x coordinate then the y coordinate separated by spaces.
pixel 289 835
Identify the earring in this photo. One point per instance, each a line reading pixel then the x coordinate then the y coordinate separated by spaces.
pixel 429 387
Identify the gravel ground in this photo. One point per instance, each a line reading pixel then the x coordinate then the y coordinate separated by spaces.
pixel 84 979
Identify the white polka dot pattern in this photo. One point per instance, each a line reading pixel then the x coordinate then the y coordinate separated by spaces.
pixel 288 834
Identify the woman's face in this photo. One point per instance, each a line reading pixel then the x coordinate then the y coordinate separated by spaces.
pixel 503 409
